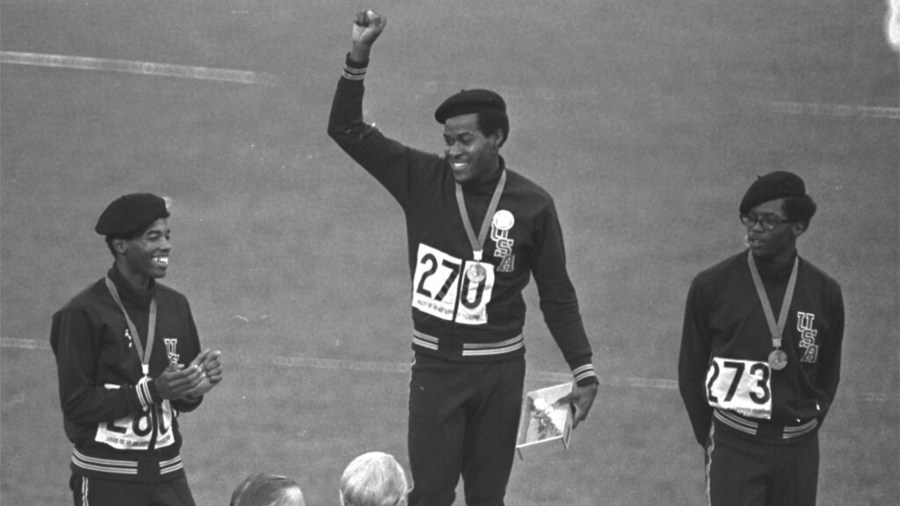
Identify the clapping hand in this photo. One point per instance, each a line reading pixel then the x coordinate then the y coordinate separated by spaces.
pixel 192 381
pixel 210 372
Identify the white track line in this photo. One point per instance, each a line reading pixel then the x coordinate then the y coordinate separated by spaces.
pixel 248 77
pixel 403 368
pixel 845 111
pixel 136 67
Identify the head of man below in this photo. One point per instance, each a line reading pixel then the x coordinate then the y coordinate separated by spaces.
pixel 267 489
pixel 475 127
pixel 137 234
pixel 776 211
pixel 374 479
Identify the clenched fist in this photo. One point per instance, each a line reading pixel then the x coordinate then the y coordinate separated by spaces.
pixel 367 26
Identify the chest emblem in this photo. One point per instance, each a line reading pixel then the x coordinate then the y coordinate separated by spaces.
pixel 807 337
pixel 501 224
pixel 172 350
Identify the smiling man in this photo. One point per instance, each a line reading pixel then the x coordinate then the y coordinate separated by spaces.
pixel 129 360
pixel 476 232
pixel 761 355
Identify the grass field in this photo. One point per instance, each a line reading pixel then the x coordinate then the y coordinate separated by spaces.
pixel 646 121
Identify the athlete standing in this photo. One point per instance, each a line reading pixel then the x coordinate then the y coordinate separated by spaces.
pixel 476 233
pixel 761 354
pixel 129 360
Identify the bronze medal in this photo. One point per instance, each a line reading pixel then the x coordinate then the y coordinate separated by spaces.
pixel 476 273
pixel 778 360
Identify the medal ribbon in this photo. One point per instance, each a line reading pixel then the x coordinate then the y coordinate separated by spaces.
pixel 478 242
pixel 776 328
pixel 143 355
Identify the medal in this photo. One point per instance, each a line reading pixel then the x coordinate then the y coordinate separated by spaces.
pixel 476 273
pixel 143 354
pixel 778 359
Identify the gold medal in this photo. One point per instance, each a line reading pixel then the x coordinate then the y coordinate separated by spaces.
pixel 778 359
pixel 476 273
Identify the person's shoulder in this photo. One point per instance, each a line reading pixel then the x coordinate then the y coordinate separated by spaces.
pixel 816 272
pixel 520 183
pixel 88 300
pixel 432 166
pixel 87 297
pixel 722 268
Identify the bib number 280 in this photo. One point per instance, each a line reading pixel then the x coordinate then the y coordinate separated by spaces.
pixel 442 289
pixel 743 386
pixel 137 432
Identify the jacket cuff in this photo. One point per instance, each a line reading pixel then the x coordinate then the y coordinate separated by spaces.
pixel 585 375
pixel 147 393
pixel 354 71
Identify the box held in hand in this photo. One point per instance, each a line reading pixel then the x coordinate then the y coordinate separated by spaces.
pixel 542 425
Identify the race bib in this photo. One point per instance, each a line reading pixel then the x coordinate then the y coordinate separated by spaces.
pixel 743 386
pixel 135 432
pixel 442 289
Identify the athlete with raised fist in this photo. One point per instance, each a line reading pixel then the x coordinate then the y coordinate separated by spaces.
pixel 477 231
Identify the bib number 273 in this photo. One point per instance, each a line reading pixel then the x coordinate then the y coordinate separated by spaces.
pixel 743 386
pixel 442 289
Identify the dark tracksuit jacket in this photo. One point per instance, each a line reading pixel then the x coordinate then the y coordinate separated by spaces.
pixel 120 426
pixel 724 318
pixel 455 319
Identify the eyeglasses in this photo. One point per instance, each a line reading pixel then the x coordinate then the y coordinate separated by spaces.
pixel 768 221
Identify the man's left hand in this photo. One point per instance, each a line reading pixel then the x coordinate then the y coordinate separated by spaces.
pixel 208 362
pixel 581 398
pixel 213 366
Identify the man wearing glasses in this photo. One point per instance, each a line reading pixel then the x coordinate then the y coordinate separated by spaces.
pixel 761 353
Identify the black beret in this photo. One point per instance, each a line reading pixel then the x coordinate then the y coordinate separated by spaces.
pixel 131 214
pixel 774 185
pixel 468 102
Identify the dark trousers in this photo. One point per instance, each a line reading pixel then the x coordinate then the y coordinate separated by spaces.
pixel 99 492
pixel 463 420
pixel 742 472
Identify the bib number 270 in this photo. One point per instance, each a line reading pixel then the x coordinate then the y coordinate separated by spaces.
pixel 442 289
pixel 740 385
